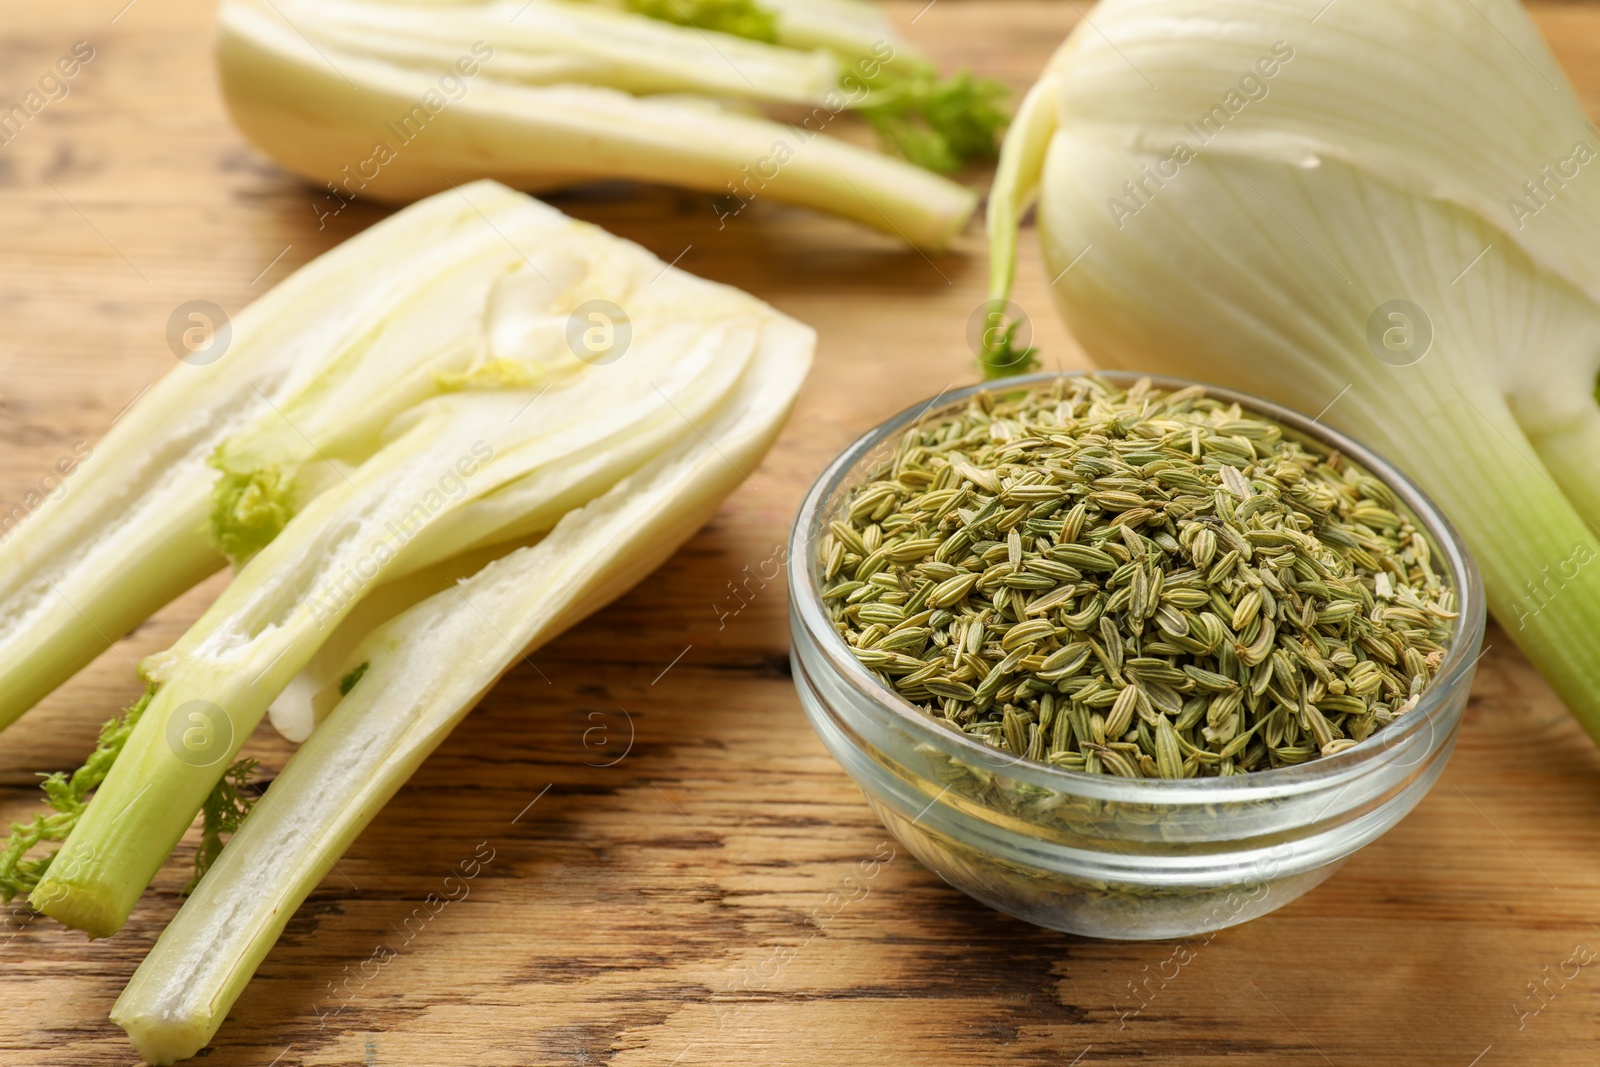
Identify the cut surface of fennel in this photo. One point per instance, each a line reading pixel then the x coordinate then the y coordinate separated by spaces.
pixel 312 694
pixel 1380 162
pixel 459 471
pixel 313 373
pixel 315 98
pixel 427 667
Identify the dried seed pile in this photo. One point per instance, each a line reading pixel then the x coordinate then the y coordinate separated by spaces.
pixel 1135 582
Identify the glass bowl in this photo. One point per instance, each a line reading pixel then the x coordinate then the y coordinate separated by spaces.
pixel 1093 854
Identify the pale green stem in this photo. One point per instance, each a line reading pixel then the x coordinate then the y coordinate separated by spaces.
pixel 1016 182
pixel 1540 563
pixel 1572 454
pixel 85 608
pixel 188 736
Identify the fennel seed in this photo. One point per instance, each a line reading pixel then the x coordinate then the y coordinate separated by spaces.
pixel 1136 582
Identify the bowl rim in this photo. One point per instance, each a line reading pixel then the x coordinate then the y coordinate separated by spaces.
pixel 1461 658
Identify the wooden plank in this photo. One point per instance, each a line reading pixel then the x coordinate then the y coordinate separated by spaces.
pixel 653 911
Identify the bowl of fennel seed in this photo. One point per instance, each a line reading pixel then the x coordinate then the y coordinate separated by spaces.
pixel 1129 657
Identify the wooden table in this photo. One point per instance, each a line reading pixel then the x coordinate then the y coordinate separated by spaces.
pixel 630 916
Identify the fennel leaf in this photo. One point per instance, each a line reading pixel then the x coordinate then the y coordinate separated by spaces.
pixel 68 796
pixel 348 682
pixel 225 809
pixel 739 18
pixel 249 509
pixel 937 123
pixel 1003 358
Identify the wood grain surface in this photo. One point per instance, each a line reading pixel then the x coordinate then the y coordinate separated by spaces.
pixel 649 907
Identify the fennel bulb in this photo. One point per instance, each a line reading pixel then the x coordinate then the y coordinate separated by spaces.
pixel 1383 213
pixel 500 452
pixel 393 100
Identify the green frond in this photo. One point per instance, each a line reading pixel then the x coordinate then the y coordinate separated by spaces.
pixel 20 869
pixel 249 509
pixel 740 18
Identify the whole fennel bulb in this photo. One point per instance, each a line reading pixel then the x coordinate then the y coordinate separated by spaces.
pixel 1386 213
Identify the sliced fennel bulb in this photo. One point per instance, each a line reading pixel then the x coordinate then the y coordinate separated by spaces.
pixel 374 99
pixel 425 669
pixel 460 471
pixel 1379 161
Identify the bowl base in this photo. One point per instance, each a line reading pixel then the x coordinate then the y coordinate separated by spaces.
pixel 1107 911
